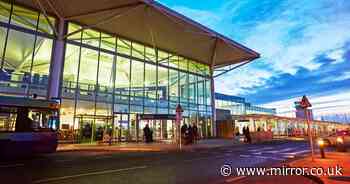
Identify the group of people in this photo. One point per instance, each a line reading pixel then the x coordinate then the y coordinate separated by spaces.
pixel 148 134
pixel 189 134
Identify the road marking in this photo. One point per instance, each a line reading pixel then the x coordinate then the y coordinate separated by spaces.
pixel 261 149
pixel 286 149
pixel 244 155
pixel 289 156
pixel 11 165
pixel 273 158
pixel 258 153
pixel 276 151
pixel 298 152
pixel 235 179
pixel 88 174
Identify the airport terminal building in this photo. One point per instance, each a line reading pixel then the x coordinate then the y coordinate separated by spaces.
pixel 114 64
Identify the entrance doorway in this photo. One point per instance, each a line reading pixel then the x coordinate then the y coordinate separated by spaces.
pixel 124 127
pixel 93 127
pixel 162 126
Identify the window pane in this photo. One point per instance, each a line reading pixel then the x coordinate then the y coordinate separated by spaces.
pixel 88 71
pixel 108 42
pixel 105 85
pixel 105 74
pixel 138 50
pixel 162 87
pixel 42 57
pixel 91 37
pixel 150 88
pixel 122 80
pixel 24 17
pixel 19 51
pixel 44 25
pixel 208 91
pixel 2 41
pixel 137 78
pixel 163 58
pixel 150 54
pixel 184 88
pixel 174 61
pixel 150 81
pixel 5 10
pixel 192 88
pixel 201 90
pixel 173 85
pixel 70 73
pixel 18 59
pixel 123 46
pixel 183 64
pixel 72 28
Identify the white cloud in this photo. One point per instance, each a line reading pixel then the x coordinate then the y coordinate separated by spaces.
pixel 341 77
pixel 336 55
pixel 237 81
pixel 287 52
pixel 321 104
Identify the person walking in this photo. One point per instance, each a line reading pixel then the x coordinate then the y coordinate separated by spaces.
pixel 190 134
pixel 147 133
pixel 249 139
pixel 183 133
pixel 245 133
pixel 195 133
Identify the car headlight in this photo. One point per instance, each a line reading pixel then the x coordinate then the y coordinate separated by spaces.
pixel 340 140
pixel 320 142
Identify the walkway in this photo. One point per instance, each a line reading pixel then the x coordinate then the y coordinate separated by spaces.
pixel 201 144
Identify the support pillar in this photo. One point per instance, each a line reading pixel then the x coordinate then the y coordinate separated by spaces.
pixel 57 61
pixel 212 89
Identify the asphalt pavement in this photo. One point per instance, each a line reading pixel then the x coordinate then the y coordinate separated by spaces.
pixel 200 166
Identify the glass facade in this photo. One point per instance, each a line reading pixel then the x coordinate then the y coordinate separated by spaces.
pixel 108 75
pixel 26 41
pixel 238 105
pixel 108 81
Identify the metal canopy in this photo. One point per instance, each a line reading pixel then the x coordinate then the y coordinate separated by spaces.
pixel 152 24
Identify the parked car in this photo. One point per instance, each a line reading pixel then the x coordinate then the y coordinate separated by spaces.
pixel 338 138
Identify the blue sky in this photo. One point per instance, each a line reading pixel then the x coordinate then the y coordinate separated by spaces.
pixel 305 49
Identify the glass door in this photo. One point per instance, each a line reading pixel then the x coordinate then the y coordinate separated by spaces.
pixel 121 127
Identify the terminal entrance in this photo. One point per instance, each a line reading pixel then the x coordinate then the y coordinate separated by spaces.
pixel 123 127
pixel 162 126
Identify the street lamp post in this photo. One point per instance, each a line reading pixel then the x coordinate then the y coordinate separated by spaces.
pixel 305 104
pixel 179 111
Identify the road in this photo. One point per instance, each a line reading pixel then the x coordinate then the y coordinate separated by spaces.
pixel 201 166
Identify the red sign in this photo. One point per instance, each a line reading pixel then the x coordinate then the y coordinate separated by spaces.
pixel 179 111
pixel 305 102
pixel 179 108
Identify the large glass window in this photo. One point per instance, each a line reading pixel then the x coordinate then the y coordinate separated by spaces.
pixel 25 56
pixel 145 80
pixel 150 85
pixel 104 94
pixel 192 89
pixel 5 10
pixel 183 88
pixel 70 72
pixel 137 82
pixel 173 85
pixel 163 82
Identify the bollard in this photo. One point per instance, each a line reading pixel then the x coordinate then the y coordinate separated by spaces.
pixel 321 146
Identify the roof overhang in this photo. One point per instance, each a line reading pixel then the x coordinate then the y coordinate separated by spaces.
pixel 150 23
